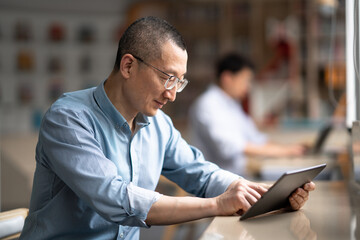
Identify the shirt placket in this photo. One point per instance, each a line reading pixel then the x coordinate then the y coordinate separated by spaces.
pixel 134 162
pixel 135 146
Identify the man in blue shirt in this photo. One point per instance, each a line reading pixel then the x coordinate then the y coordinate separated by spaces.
pixel 102 150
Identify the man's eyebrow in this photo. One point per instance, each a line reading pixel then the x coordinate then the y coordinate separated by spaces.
pixel 182 76
pixel 173 73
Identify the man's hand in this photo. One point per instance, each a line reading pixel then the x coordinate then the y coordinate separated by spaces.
pixel 301 195
pixel 241 194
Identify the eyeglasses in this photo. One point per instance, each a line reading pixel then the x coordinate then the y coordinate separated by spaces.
pixel 172 81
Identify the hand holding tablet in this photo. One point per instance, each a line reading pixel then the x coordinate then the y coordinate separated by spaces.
pixel 277 195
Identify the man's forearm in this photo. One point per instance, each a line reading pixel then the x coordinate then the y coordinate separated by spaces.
pixel 237 198
pixel 273 150
pixel 172 210
pixel 260 150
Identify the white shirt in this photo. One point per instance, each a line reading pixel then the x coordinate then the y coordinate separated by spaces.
pixel 220 128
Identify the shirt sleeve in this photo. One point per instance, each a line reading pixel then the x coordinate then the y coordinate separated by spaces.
pixel 76 157
pixel 186 166
pixel 254 135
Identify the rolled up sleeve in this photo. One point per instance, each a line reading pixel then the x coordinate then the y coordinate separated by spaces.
pixel 78 160
pixel 140 201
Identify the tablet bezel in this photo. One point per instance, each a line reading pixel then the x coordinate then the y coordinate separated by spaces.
pixel 277 195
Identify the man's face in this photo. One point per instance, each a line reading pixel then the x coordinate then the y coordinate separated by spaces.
pixel 240 83
pixel 147 92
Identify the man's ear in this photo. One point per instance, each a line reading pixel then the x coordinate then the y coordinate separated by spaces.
pixel 126 65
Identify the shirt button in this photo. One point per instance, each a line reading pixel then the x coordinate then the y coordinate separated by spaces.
pixel 121 235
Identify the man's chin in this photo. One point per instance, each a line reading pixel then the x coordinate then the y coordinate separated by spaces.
pixel 150 113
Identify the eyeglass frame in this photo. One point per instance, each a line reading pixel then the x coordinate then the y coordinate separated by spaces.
pixel 183 81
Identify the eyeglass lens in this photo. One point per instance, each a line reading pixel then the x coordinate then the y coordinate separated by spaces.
pixel 172 81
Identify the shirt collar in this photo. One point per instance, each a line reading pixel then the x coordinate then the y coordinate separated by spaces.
pixel 111 112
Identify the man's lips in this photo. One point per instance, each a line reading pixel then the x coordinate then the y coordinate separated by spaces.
pixel 160 104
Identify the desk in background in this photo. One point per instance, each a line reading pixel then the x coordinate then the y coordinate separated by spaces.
pixel 270 169
pixel 334 153
pixel 328 214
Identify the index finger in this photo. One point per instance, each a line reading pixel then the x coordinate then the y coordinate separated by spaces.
pixel 260 187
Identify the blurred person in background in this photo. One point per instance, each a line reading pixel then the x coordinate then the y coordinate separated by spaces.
pixel 219 126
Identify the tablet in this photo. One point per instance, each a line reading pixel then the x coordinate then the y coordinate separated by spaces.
pixel 277 195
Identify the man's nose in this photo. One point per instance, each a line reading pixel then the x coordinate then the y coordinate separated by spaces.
pixel 170 94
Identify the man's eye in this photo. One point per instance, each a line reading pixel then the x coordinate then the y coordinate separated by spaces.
pixel 172 79
pixel 164 79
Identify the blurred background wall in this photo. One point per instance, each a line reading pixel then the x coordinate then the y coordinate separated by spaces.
pixel 51 47
pixel 47 48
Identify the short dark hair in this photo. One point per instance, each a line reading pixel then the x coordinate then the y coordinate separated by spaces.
pixel 145 37
pixel 233 62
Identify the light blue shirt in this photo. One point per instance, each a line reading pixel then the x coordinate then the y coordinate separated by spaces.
pixel 221 129
pixel 94 179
